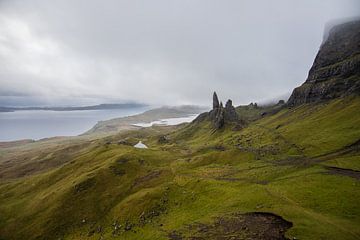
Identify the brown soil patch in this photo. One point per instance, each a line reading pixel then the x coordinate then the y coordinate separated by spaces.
pixel 145 179
pixel 250 226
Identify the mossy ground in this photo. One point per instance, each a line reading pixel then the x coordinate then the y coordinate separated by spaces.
pixel 276 164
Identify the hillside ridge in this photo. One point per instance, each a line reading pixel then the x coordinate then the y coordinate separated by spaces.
pixel 336 68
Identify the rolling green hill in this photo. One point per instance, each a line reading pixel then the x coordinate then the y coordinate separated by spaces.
pixel 284 164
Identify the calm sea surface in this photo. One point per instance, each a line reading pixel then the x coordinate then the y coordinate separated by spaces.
pixel 41 124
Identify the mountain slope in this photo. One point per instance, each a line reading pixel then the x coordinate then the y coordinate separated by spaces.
pixel 336 69
pixel 197 175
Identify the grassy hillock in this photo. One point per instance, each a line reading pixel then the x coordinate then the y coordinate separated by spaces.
pixel 293 171
pixel 253 112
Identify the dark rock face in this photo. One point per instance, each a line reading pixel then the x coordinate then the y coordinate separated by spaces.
pixel 230 112
pixel 336 69
pixel 216 103
pixel 163 139
pixel 220 115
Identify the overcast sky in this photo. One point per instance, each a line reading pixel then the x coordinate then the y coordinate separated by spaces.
pixel 68 52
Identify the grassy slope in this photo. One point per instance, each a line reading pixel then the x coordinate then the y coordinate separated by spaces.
pixel 251 112
pixel 276 164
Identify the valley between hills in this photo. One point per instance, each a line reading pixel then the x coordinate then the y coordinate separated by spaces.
pixel 290 170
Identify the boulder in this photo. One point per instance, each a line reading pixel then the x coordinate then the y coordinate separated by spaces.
pixel 163 139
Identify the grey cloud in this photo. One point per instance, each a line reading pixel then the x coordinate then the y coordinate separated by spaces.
pixel 161 52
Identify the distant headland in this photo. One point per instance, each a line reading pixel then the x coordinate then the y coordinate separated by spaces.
pixel 76 108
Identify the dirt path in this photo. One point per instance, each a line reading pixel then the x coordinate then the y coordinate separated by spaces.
pixel 344 172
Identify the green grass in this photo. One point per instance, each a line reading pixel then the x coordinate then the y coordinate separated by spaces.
pixel 276 164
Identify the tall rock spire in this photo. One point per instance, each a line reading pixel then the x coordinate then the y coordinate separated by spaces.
pixel 215 101
pixel 230 112
pixel 220 115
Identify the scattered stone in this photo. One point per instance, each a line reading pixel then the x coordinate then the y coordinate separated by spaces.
pixel 128 226
pixel 116 170
pixel 91 232
pixel 219 147
pixel 163 139
pixel 259 206
pixel 84 185
pixel 122 160
pixel 175 236
pixel 124 142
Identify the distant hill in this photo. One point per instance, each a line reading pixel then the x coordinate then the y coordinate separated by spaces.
pixel 117 124
pixel 93 107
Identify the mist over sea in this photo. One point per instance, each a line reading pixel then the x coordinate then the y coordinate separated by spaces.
pixel 37 124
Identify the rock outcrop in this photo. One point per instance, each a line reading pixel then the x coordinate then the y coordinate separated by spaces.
pixel 216 103
pixel 220 115
pixel 230 112
pixel 336 69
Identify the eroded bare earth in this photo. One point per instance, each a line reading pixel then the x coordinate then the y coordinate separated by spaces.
pixel 255 225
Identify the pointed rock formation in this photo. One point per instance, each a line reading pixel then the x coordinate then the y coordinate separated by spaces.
pixel 219 120
pixel 230 112
pixel 215 101
pixel 220 115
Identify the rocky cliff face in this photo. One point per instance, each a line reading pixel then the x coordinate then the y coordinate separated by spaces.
pixel 336 69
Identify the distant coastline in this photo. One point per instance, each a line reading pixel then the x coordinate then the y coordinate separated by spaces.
pixel 40 125
pixel 78 108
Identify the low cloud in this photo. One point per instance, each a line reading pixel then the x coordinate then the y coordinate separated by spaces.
pixel 158 52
